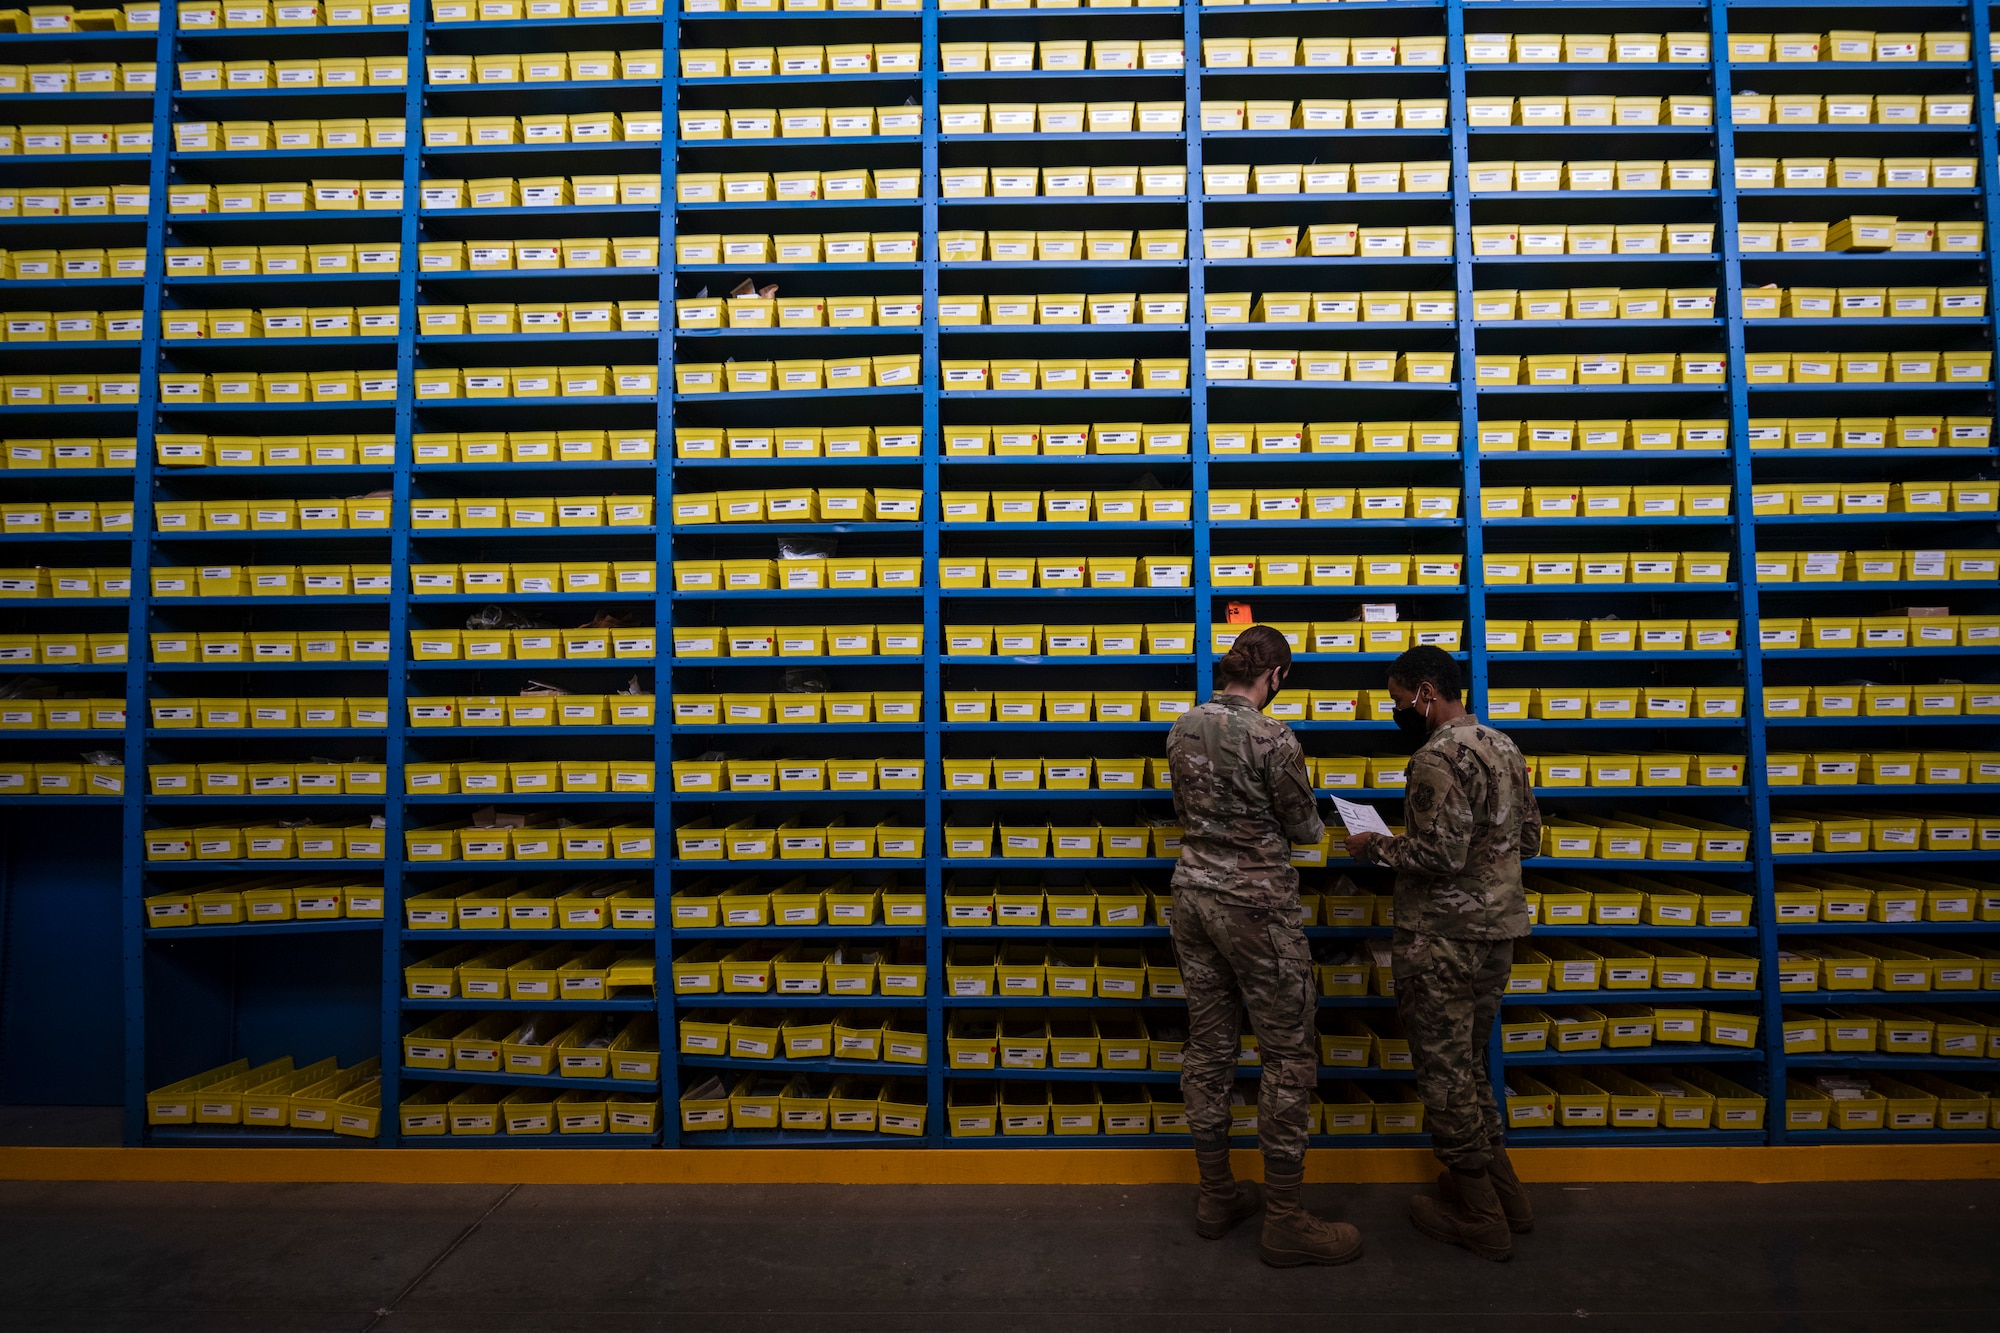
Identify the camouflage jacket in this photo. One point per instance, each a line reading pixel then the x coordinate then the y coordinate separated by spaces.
pixel 1470 816
pixel 1242 794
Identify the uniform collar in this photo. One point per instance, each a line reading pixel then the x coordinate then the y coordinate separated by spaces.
pixel 1463 720
pixel 1231 700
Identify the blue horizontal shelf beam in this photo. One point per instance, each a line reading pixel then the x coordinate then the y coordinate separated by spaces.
pixel 573 1142
pixel 800 1001
pixel 33 799
pixel 1942 1064
pixel 1642 723
pixel 1685 655
pixel 1057 1002
pixel 1041 794
pixel 1011 928
pixel 558 1006
pixel 1890 997
pixel 1618 863
pixel 329 864
pixel 1880 858
pixel 786 797
pixel 1677 1053
pixel 508 1079
pixel 783 1067
pixel 249 929
pixel 1904 654
pixel 796 729
pixel 871 659
pixel 1886 585
pixel 289 155
pixel 224 96
pixel 1598 196
pixel 1825 520
pixel 796 932
pixel 50 40
pixel 564 863
pixel 177 668
pixel 1878 192
pixel 527 598
pixel 1526 390
pixel 799 595
pixel 1599 589
pixel 1650 932
pixel 565 25
pixel 65 538
pixel 1508 131
pixel 792 396
pixel 259 800
pixel 609 663
pixel 308 599
pixel 545 211
pixel 587 149
pixel 807 80
pixel 599 935
pixel 245 733
pixel 1503 261
pixel 549 798
pixel 796 1138
pixel 331 470
pixel 1634 521
pixel 1644 996
pixel 1887 927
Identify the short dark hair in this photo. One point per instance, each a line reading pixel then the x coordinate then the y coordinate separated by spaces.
pixel 1426 664
pixel 1256 650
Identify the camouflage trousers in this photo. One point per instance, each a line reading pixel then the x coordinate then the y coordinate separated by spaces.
pixel 1447 995
pixel 1247 958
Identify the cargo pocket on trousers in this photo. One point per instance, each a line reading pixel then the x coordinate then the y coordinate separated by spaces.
pixel 1295 999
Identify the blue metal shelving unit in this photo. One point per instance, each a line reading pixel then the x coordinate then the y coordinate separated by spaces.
pixel 172 1021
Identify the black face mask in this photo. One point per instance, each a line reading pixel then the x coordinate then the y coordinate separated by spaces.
pixel 1276 690
pixel 1412 724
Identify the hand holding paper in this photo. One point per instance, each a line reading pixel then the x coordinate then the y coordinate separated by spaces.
pixel 1360 818
pixel 1364 825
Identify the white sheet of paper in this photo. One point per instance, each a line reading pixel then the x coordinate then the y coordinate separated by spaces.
pixel 1360 818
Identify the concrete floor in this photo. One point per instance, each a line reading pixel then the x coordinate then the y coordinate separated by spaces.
pixel 762 1259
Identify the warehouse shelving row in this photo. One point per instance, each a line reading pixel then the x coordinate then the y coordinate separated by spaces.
pixel 195 996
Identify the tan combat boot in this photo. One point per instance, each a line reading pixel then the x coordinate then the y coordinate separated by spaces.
pixel 1469 1216
pixel 1225 1201
pixel 1512 1193
pixel 1293 1237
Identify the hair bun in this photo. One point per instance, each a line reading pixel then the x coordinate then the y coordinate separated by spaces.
pixel 1256 650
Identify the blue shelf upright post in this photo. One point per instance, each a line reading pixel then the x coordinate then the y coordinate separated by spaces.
pixel 1471 570
pixel 1745 554
pixel 1987 116
pixel 131 907
pixel 1197 323
pixel 395 810
pixel 933 687
pixel 663 604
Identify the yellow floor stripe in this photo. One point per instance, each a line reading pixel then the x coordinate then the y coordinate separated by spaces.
pixel 966 1166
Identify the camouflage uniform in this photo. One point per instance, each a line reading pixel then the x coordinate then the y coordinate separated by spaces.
pixel 1242 796
pixel 1470 817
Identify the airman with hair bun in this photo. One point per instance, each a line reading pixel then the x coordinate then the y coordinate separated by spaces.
pixel 1243 797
